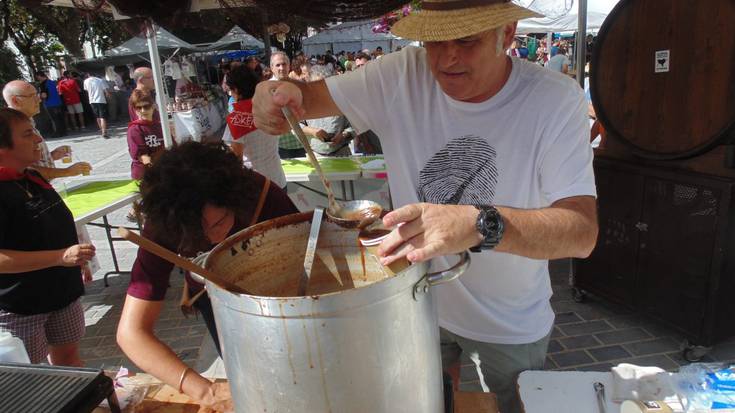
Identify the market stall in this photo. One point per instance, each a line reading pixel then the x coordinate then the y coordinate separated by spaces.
pixel 198 112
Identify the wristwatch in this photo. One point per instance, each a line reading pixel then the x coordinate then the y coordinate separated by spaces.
pixel 490 225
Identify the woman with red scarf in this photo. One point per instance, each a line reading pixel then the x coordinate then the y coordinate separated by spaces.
pixel 40 260
pixel 145 138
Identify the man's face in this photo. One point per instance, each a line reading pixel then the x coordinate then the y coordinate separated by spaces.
pixel 468 69
pixel 147 79
pixel 280 66
pixel 26 148
pixel 27 100
pixel 360 62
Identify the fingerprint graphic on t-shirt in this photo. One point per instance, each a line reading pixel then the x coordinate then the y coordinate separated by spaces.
pixel 463 172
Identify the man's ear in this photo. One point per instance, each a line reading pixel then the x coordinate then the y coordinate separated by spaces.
pixel 509 34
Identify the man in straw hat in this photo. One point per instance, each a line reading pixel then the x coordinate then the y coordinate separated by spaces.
pixel 484 151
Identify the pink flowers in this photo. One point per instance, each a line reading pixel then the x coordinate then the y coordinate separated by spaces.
pixel 384 24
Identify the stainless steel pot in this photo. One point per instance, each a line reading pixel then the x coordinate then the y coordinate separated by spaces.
pixel 361 341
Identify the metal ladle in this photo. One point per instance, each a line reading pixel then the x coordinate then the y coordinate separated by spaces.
pixel 362 212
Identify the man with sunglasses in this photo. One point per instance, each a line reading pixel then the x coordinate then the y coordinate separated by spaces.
pixel 143 77
pixel 22 96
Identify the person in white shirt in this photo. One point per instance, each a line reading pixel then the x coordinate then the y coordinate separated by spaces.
pixel 470 169
pixel 98 90
pixel 559 62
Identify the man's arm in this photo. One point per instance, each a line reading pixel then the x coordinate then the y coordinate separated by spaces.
pixel 306 100
pixel 78 168
pixel 567 228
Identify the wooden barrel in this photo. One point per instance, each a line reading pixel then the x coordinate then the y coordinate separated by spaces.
pixel 662 76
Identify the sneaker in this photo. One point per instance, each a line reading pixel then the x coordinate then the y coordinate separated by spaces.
pixel 106 136
pixel 131 217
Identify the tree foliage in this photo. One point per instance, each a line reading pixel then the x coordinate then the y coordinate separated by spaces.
pixel 37 45
pixel 9 63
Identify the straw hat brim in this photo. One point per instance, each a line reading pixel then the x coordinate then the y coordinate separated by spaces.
pixel 437 26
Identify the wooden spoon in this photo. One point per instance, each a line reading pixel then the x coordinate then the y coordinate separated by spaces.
pixel 171 257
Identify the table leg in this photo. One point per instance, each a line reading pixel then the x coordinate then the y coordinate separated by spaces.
pixel 352 190
pixel 344 189
pixel 112 248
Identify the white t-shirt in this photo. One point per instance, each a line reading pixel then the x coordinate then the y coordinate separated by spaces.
pixel 526 147
pixel 260 153
pixel 557 62
pixel 95 87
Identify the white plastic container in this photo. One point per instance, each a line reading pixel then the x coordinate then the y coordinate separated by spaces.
pixel 12 349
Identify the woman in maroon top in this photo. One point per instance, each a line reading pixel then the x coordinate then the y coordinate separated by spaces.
pixel 145 138
pixel 193 197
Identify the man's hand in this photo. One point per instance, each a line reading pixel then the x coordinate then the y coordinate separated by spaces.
pixel 77 255
pixel 217 400
pixel 428 230
pixel 60 152
pixel 322 135
pixel 86 274
pixel 269 98
pixel 79 168
pixel 338 138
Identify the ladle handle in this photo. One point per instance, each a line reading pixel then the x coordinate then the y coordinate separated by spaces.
pixel 169 256
pixel 294 123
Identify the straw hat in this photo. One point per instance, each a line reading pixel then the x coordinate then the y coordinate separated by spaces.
pixel 440 20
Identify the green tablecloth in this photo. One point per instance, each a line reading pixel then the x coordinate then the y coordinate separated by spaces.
pixel 329 165
pixel 95 195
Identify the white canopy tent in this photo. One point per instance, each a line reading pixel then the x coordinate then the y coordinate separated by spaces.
pixel 236 39
pixel 167 42
pixel 566 23
pixel 351 37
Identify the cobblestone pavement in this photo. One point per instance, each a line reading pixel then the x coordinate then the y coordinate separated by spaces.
pixel 593 335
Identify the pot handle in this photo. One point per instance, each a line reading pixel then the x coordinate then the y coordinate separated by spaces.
pixel 199 260
pixel 441 277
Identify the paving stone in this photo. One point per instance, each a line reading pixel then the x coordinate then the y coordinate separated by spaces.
pixel 555 333
pixel 622 336
pixel 566 318
pixel 111 363
pixel 472 386
pixel 659 360
pixel 678 358
pixel 585 327
pixel 604 367
pixel 659 345
pixel 554 347
pixel 572 358
pixel 577 342
pixel 626 321
pixel 608 353
pixel 549 364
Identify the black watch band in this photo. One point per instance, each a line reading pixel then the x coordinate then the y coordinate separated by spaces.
pixel 490 225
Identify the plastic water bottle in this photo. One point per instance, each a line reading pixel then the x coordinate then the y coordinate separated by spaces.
pixel 12 349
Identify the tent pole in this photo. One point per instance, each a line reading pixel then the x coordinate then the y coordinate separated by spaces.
pixel 158 81
pixel 549 44
pixel 581 42
pixel 266 36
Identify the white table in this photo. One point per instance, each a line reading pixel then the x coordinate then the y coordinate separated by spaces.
pixel 101 211
pixel 564 391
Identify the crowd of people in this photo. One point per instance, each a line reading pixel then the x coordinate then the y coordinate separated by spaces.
pixel 467 172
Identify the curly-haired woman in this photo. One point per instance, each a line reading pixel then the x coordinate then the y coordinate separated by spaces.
pixel 193 197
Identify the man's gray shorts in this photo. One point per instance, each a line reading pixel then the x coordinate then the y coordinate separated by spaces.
pixel 500 364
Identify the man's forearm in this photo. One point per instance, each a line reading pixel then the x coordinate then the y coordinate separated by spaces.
pixel 566 229
pixel 51 173
pixel 317 101
pixel 12 261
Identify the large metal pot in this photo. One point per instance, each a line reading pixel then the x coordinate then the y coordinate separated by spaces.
pixel 360 341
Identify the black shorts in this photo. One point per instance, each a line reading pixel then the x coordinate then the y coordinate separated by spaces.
pixel 100 110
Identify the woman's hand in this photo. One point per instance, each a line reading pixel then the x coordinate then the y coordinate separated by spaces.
pixel 217 400
pixel 77 255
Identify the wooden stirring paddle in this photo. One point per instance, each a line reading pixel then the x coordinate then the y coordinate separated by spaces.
pixel 173 258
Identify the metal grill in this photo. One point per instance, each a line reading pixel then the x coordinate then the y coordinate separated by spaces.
pixel 48 389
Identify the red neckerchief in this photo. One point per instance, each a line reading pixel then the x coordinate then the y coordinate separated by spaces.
pixel 240 120
pixel 140 121
pixel 10 174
